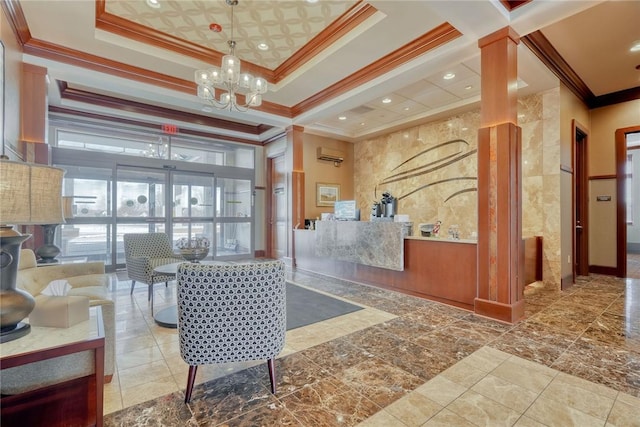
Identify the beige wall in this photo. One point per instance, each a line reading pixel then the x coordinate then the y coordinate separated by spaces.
pixel 12 64
pixel 601 157
pixel 320 171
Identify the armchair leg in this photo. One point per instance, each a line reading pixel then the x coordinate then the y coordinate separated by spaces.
pixel 191 379
pixel 150 297
pixel 133 283
pixel 271 364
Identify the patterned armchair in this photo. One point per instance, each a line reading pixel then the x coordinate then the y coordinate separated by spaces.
pixel 231 313
pixel 145 251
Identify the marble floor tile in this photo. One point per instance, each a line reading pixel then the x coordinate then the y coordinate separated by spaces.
pixel 441 390
pixel 401 361
pixel 625 411
pixel 381 382
pixel 551 412
pixel 482 411
pixel 329 402
pixel 446 418
pixel 578 398
pixel 508 394
pixel 414 409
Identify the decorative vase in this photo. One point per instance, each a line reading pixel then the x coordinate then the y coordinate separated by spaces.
pixel 15 304
pixel 194 254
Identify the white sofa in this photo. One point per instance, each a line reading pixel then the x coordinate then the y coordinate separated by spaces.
pixel 86 279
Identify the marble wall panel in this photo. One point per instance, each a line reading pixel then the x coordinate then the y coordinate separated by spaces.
pixel 379 158
pixel 532 206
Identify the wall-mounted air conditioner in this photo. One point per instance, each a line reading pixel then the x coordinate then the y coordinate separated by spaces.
pixel 330 155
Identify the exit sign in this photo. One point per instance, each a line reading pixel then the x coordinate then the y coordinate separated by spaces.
pixel 170 129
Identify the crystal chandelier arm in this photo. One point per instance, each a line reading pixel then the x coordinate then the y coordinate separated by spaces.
pixel 229 76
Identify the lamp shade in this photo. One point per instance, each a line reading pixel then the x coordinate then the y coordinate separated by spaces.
pixel 67 207
pixel 30 193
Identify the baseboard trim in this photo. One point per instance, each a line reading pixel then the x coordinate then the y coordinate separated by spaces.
pixel 510 313
pixel 599 269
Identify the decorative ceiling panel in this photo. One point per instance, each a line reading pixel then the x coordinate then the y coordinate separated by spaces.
pixel 285 26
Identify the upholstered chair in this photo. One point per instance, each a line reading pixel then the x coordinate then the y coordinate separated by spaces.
pixel 231 313
pixel 145 251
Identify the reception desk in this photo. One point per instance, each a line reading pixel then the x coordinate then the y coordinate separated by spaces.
pixel 375 244
pixel 439 269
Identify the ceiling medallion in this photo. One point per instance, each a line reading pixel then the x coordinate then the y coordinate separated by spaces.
pixel 228 76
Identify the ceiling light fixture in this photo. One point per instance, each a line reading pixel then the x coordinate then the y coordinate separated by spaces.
pixel 154 4
pixel 386 101
pixel 448 76
pixel 635 47
pixel 263 46
pixel 342 118
pixel 228 75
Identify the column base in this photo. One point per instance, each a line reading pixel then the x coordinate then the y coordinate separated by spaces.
pixel 510 313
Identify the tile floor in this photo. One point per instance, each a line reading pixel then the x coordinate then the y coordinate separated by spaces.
pixel 402 361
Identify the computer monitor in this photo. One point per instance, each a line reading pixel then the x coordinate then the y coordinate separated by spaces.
pixel 346 210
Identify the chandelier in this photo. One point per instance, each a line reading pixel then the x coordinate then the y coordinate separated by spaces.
pixel 229 77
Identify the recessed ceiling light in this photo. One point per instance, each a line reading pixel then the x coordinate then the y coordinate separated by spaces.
pixel 448 76
pixel 342 118
pixel 468 87
pixel 386 101
pixel 154 4
pixel 361 123
pixel 312 1
pixel 635 46
pixel 406 108
pixel 263 46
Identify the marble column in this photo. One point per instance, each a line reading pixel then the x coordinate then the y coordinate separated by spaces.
pixel 500 249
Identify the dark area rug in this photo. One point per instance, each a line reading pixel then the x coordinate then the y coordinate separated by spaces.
pixel 305 307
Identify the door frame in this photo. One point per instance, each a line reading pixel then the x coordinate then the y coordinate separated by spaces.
pixel 579 141
pixel 621 207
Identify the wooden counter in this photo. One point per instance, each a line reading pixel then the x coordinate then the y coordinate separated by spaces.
pixel 438 269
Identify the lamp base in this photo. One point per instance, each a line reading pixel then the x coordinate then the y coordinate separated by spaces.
pixel 48 252
pixel 15 304
pixel 19 331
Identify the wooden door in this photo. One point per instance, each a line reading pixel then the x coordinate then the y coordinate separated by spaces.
pixel 581 245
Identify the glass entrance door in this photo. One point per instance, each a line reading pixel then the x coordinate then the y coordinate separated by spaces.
pixel 140 203
pixel 179 203
pixel 193 207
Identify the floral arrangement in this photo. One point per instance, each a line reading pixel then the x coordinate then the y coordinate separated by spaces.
pixel 193 243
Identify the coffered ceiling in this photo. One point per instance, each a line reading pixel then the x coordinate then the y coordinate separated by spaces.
pixel 330 64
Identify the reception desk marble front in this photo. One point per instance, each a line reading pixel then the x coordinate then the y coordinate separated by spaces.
pixel 376 244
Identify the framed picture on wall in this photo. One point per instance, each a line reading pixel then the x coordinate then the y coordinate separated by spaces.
pixel 327 194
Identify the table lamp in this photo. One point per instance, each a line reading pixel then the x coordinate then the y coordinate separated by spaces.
pixel 29 194
pixel 49 251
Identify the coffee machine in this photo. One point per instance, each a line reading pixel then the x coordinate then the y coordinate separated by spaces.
pixel 385 209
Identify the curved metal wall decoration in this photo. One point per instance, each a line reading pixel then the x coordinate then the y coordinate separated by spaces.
pixel 457 193
pixel 432 167
pixel 442 181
